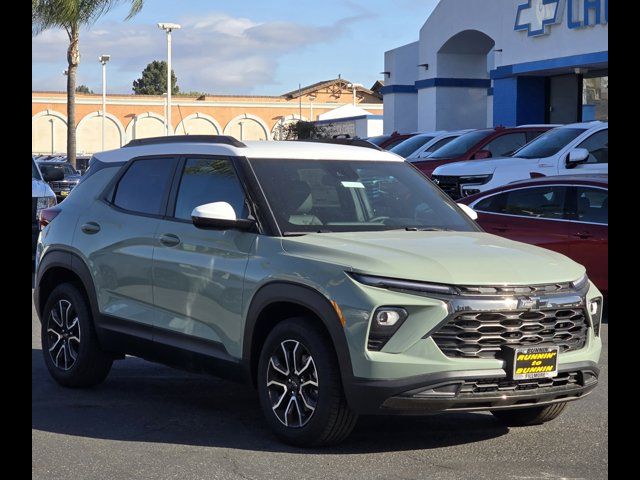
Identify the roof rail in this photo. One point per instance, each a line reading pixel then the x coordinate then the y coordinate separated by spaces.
pixel 219 139
pixel 353 142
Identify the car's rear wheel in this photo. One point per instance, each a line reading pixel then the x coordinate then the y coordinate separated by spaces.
pixel 300 387
pixel 529 416
pixel 69 344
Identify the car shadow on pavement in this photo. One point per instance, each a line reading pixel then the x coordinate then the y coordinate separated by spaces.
pixel 144 402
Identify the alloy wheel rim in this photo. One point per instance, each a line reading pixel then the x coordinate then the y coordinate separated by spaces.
pixel 63 334
pixel 292 384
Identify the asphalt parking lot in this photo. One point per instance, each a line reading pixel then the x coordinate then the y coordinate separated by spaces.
pixel 149 421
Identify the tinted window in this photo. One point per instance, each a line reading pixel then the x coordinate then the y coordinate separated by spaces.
pixel 142 187
pixel 410 145
pixel 598 146
pixel 439 144
pixel 393 143
pixel 379 139
pixel 539 202
pixel 208 180
pixel 593 205
pixel 549 143
pixel 34 171
pixel 461 145
pixel 505 144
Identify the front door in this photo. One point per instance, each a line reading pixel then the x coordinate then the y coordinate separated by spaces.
pixel 565 102
pixel 198 274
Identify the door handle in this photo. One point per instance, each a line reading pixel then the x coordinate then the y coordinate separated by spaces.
pixel 583 235
pixel 500 229
pixel 90 228
pixel 169 240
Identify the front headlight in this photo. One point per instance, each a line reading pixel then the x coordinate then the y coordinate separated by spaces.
pixel 475 179
pixel 45 202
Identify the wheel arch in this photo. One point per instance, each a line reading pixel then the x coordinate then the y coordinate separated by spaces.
pixel 279 300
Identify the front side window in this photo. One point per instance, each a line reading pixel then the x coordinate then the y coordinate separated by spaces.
pixel 35 174
pixel 208 180
pixel 598 146
pixel 537 202
pixel 506 144
pixel 461 145
pixel 143 186
pixel 549 143
pixel 351 196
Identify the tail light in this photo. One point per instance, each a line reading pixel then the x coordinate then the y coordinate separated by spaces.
pixel 47 215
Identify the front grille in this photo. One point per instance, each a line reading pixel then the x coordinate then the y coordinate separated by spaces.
pixel 449 184
pixel 57 186
pixel 494 385
pixel 483 334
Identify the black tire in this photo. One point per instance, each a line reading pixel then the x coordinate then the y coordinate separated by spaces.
pixel 91 364
pixel 332 420
pixel 529 416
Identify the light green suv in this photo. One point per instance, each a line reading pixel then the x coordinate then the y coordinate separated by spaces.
pixel 337 280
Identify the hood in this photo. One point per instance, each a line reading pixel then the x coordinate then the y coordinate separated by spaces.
pixel 478 167
pixel 40 189
pixel 456 258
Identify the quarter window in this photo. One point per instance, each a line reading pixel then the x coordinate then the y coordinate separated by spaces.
pixel 208 180
pixel 143 186
pixel 538 202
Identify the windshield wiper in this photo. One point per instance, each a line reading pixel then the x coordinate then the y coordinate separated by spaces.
pixel 426 229
pixel 298 234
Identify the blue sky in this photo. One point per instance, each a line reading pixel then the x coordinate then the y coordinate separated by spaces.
pixel 242 47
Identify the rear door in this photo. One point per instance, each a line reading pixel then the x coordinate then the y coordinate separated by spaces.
pixel 589 232
pixel 119 232
pixel 534 215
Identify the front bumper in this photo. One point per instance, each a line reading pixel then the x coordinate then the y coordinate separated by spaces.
pixel 451 392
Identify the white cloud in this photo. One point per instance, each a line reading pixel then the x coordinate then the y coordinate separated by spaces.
pixel 215 53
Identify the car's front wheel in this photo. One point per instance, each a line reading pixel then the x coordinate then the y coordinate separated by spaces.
pixel 529 416
pixel 69 344
pixel 300 387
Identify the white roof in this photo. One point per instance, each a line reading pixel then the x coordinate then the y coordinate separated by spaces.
pixel 254 149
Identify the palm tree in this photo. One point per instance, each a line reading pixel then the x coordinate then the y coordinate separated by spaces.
pixel 72 15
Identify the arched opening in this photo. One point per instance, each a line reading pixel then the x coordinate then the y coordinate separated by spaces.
pixel 464 63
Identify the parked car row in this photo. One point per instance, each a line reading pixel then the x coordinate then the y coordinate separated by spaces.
pixel 546 185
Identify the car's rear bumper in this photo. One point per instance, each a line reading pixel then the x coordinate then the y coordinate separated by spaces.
pixel 451 391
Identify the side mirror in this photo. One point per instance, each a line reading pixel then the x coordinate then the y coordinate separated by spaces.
pixel 52 174
pixel 480 154
pixel 219 215
pixel 473 215
pixel 576 157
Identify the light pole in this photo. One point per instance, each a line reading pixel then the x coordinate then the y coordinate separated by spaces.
pixel 103 60
pixel 168 27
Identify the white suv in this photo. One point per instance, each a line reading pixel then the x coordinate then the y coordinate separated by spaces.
pixel 570 149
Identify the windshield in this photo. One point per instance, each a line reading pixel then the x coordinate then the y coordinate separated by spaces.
pixel 410 145
pixel 379 139
pixel 35 174
pixel 549 143
pixel 66 168
pixel 461 145
pixel 353 196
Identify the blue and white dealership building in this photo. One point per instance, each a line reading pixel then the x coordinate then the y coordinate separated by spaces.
pixel 481 63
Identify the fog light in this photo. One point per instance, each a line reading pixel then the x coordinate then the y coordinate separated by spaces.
pixel 386 322
pixel 388 317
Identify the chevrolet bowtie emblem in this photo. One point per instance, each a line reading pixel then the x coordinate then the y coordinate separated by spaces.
pixel 535 16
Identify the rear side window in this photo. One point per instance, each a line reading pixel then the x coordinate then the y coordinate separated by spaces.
pixel 208 180
pixel 593 205
pixel 539 202
pixel 143 186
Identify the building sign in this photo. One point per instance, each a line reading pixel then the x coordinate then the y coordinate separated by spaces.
pixel 537 16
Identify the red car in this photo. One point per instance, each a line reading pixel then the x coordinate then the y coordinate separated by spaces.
pixel 480 144
pixel 568 214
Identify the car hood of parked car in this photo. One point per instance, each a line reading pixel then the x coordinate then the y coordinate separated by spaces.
pixel 479 167
pixel 456 258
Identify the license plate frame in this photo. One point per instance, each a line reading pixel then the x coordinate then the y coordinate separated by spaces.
pixel 535 362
